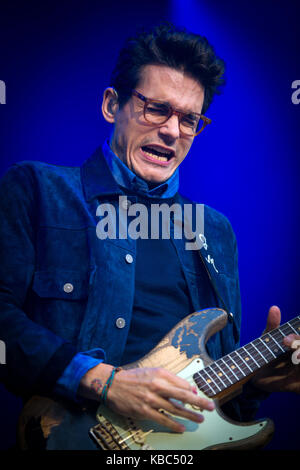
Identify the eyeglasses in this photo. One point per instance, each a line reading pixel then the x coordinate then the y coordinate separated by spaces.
pixel 158 112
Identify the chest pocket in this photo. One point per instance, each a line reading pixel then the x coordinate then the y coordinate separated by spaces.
pixel 58 301
pixel 61 284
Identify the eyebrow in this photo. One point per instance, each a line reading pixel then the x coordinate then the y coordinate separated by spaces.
pixel 188 111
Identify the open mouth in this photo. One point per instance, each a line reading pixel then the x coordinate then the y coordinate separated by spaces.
pixel 158 153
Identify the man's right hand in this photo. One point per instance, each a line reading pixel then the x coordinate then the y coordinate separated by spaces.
pixel 146 393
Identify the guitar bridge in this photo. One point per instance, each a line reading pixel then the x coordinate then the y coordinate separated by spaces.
pixel 107 437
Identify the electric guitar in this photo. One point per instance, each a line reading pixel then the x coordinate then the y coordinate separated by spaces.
pixel 55 424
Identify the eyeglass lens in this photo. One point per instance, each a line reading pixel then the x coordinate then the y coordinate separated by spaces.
pixel 158 113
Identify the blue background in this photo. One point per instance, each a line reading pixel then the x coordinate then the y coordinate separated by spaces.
pixel 56 59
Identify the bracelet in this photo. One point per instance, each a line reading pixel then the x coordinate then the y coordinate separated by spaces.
pixel 108 384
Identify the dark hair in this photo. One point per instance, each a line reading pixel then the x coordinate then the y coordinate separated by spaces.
pixel 172 47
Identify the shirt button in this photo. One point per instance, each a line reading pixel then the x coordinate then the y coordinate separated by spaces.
pixel 120 322
pixel 68 287
pixel 129 258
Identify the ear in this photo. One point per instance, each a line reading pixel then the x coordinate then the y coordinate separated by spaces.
pixel 110 104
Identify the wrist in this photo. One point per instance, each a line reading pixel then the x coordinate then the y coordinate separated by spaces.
pixel 92 383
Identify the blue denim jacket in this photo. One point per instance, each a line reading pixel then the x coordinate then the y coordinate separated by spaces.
pixel 58 281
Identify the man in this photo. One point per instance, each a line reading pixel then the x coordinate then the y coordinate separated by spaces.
pixel 75 306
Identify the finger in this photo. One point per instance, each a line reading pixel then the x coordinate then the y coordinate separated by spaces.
pixel 163 389
pixel 163 417
pixel 178 409
pixel 288 340
pixel 274 318
pixel 166 420
pixel 176 381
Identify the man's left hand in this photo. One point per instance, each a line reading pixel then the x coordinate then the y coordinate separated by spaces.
pixel 281 375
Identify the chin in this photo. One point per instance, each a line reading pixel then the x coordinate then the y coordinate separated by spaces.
pixel 153 176
pixel 154 179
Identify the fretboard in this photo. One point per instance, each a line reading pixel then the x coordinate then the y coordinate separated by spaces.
pixel 241 363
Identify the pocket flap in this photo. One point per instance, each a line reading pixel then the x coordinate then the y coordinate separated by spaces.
pixel 61 284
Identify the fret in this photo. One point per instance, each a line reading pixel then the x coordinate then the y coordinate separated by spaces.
pixel 296 322
pixel 260 353
pixel 201 383
pixel 266 346
pixel 219 379
pixel 271 337
pixel 234 365
pixel 278 330
pixel 221 375
pixel 230 370
pixel 242 362
pixel 292 327
pixel 238 353
pixel 222 371
pixel 252 364
pixel 216 379
pixel 237 358
pixel 248 359
pixel 285 329
pixel 209 381
pixel 247 348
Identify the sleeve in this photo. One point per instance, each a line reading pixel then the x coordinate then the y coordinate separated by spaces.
pixel 68 382
pixel 35 357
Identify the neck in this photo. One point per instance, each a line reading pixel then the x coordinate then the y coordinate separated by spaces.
pixel 238 366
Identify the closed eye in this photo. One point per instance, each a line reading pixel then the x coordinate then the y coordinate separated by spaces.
pixel 190 120
pixel 162 110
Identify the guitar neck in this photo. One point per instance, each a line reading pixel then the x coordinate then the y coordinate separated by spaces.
pixel 240 364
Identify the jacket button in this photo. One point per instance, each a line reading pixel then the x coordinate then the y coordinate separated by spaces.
pixel 68 287
pixel 120 322
pixel 129 258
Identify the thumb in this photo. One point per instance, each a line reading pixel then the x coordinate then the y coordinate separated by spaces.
pixel 274 318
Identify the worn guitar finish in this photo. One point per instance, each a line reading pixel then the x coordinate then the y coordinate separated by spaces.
pixel 50 424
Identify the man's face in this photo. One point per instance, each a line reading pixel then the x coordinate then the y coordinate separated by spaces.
pixel 134 138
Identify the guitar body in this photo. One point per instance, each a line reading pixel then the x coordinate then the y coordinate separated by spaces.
pixel 51 424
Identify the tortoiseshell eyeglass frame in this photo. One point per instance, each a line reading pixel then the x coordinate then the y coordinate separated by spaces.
pixel 172 111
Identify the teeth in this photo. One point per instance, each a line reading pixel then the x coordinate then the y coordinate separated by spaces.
pixel 162 159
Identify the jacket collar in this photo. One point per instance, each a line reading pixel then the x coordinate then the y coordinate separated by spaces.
pixel 96 177
pixel 98 180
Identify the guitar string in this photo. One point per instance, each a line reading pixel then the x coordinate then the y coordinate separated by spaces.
pixel 191 377
pixel 256 355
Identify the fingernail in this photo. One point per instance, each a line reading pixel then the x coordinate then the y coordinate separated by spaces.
pixel 211 405
pixel 195 391
pixel 200 418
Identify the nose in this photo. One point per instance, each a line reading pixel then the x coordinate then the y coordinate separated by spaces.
pixel 170 128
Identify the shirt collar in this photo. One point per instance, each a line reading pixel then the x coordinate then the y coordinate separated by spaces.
pixel 125 178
